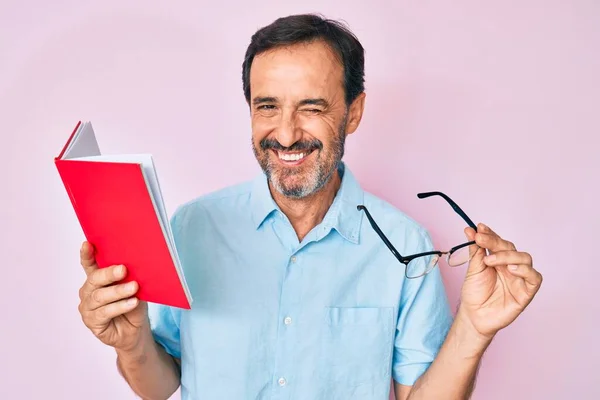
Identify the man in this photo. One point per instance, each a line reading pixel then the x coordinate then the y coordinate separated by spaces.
pixel 295 295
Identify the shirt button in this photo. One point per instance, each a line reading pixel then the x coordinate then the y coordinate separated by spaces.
pixel 287 320
pixel 293 259
pixel 281 382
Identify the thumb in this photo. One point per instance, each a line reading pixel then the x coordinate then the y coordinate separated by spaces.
pixel 87 258
pixel 470 233
pixel 476 253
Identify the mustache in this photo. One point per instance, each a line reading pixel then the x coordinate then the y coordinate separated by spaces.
pixel 273 144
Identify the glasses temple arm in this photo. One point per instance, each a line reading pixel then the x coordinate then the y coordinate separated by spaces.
pixel 385 240
pixel 454 206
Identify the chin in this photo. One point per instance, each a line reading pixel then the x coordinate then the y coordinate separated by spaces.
pixel 296 187
pixel 292 187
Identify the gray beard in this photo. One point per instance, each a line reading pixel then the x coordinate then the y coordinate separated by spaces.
pixel 319 177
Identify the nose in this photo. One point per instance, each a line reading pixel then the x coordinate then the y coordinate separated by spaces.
pixel 288 130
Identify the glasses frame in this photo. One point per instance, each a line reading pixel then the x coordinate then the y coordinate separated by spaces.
pixel 406 259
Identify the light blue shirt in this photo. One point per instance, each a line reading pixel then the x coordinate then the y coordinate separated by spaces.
pixel 331 317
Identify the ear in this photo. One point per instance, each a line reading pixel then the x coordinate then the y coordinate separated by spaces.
pixel 355 113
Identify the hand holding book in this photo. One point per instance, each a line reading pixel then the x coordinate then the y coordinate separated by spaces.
pixel 110 310
pixel 119 205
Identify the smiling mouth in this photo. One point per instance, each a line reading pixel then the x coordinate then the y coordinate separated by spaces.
pixel 292 158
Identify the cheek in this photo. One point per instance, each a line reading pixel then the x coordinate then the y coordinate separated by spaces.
pixel 261 128
pixel 260 120
pixel 319 128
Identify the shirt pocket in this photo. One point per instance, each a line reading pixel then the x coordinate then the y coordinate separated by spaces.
pixel 357 344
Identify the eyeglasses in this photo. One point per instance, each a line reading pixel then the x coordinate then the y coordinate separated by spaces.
pixel 420 264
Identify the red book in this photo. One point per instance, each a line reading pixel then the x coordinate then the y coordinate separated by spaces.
pixel 119 205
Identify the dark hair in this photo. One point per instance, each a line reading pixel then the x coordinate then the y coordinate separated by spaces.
pixel 305 28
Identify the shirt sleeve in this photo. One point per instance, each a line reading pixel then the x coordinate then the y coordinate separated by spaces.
pixel 424 319
pixel 165 320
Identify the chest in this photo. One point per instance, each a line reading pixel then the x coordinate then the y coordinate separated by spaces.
pixel 317 314
pixel 253 272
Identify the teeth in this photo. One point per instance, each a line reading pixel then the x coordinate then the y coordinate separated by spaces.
pixel 291 157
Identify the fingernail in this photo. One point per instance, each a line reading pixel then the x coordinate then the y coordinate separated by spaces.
pixel 131 301
pixel 512 267
pixel 490 258
pixel 119 271
pixel 130 286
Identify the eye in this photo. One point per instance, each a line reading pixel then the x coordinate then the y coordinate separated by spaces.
pixel 312 110
pixel 266 107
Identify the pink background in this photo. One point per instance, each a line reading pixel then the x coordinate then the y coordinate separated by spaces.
pixel 496 103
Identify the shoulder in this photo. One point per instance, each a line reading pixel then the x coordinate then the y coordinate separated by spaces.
pixel 395 223
pixel 390 214
pixel 224 200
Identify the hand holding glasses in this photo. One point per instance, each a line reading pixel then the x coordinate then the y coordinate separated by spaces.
pixel 420 264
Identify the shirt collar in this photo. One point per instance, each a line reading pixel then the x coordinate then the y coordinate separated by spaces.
pixel 262 203
pixel 343 216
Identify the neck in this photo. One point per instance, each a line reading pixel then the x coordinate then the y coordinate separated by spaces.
pixel 306 213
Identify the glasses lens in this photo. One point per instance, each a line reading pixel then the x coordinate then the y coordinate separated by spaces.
pixel 420 266
pixel 462 255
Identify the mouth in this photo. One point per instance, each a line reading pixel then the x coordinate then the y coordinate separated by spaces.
pixel 292 158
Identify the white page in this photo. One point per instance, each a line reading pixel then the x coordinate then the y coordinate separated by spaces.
pixel 83 144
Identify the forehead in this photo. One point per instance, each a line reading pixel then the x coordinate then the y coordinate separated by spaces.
pixel 299 70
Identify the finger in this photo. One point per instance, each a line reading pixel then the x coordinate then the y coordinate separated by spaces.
pixel 470 234
pixel 476 264
pixel 533 279
pixel 87 259
pixel 102 277
pixel 105 314
pixel 481 227
pixel 508 257
pixel 493 242
pixel 106 295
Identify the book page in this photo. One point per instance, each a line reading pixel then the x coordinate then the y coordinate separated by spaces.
pixel 84 143
pixel 151 177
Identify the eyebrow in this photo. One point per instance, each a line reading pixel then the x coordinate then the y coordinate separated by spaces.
pixel 315 102
pixel 260 100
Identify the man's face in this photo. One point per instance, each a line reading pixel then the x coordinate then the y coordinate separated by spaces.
pixel 299 116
